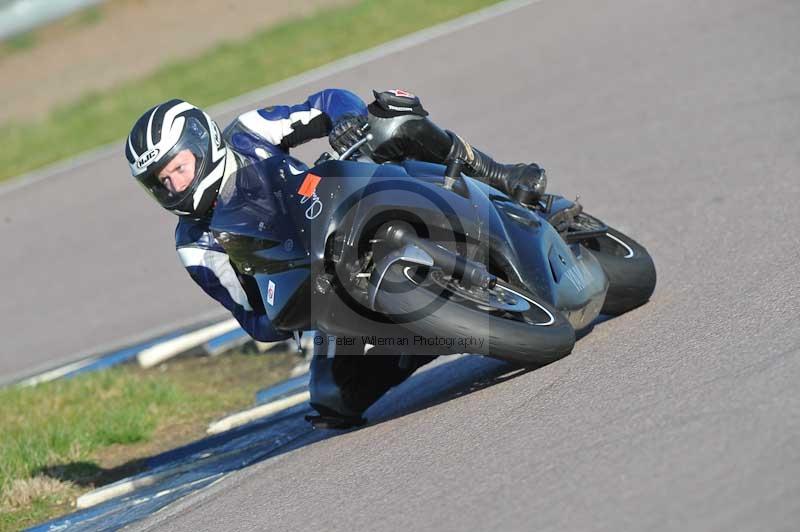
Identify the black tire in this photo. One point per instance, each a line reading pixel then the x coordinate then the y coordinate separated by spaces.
pixel 630 270
pixel 536 337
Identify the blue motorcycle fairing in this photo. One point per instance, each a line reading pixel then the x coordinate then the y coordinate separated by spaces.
pixel 524 246
pixel 281 237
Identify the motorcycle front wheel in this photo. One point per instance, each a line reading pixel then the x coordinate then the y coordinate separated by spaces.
pixel 502 322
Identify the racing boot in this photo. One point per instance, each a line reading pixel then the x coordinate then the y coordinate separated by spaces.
pixel 524 182
pixel 401 130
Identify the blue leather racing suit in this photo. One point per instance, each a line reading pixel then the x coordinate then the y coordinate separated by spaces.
pixel 257 135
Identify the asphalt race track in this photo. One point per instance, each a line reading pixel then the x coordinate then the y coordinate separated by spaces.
pixel 678 123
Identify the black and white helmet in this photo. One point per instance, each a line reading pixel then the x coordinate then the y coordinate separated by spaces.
pixel 163 132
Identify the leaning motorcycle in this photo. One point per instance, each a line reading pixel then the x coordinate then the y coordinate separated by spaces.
pixel 420 258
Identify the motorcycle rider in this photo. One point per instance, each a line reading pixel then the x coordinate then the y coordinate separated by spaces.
pixel 183 160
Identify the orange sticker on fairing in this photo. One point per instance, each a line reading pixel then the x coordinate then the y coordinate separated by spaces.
pixel 309 185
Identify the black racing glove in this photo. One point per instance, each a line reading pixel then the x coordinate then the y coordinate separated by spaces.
pixel 346 132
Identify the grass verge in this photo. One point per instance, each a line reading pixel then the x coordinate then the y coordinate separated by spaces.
pixel 64 438
pixel 222 73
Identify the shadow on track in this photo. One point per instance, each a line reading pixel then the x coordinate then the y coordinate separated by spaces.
pixel 181 471
pixel 450 377
pixel 170 476
pixel 444 382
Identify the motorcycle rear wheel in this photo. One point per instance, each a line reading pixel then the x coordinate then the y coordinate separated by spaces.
pixel 514 325
pixel 629 267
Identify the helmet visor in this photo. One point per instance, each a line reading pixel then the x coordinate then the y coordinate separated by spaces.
pixel 171 180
